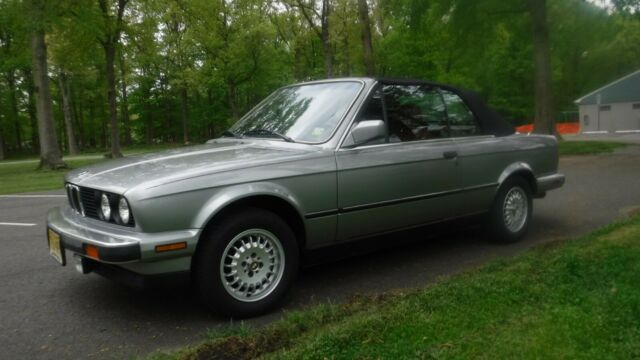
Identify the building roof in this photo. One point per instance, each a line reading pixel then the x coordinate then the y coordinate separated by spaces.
pixel 625 89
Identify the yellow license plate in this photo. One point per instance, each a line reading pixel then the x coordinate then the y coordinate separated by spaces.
pixel 55 247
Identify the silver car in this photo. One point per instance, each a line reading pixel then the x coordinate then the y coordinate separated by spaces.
pixel 313 165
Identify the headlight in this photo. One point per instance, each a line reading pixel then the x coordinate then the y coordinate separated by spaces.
pixel 105 207
pixel 123 211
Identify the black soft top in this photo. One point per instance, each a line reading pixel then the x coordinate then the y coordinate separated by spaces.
pixel 491 123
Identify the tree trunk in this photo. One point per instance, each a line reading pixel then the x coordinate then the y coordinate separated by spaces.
pixel 326 38
pixel 109 42
pixel 78 114
pixel 93 141
pixel 347 53
pixel 31 109
pixel 50 156
pixel 2 155
pixel 148 116
pixel 67 111
pixel 125 104
pixel 367 46
pixel 328 55
pixel 13 108
pixel 184 113
pixel 110 54
pixel 544 122
pixel 232 99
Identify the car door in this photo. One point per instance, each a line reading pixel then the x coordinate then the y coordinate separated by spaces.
pixel 405 179
pixel 481 157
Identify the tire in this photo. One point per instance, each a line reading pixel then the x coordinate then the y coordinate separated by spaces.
pixel 509 226
pixel 262 250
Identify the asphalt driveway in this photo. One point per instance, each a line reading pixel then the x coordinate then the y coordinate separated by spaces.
pixel 51 312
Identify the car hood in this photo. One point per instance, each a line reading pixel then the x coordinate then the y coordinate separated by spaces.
pixel 168 166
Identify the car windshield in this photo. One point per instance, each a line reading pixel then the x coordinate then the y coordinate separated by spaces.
pixel 305 113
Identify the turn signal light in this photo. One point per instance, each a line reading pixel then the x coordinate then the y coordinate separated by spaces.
pixel 91 251
pixel 171 247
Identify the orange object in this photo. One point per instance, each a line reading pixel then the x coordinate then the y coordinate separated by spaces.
pixel 561 128
pixel 91 251
pixel 171 247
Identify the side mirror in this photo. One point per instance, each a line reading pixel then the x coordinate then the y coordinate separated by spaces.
pixel 368 130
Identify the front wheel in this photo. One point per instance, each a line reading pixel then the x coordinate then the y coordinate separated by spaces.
pixel 246 263
pixel 511 211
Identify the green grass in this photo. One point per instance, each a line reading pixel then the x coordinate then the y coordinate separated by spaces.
pixel 23 177
pixel 17 176
pixel 588 147
pixel 575 299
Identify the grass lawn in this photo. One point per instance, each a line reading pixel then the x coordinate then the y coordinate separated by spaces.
pixel 575 299
pixel 18 176
pixel 23 177
pixel 588 147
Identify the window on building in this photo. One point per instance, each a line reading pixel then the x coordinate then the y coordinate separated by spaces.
pixel 605 107
pixel 586 120
pixel 636 106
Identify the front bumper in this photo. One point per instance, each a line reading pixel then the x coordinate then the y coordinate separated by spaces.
pixel 129 249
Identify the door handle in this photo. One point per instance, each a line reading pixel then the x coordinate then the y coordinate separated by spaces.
pixel 450 154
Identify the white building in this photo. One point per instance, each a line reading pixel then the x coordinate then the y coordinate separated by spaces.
pixel 613 108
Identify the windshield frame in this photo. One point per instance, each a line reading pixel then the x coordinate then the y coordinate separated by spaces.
pixel 261 104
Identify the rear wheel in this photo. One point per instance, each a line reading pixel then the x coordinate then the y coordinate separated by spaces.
pixel 511 211
pixel 246 263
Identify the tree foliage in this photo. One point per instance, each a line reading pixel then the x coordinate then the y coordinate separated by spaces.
pixel 185 70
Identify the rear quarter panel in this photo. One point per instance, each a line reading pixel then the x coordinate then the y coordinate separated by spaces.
pixel 490 160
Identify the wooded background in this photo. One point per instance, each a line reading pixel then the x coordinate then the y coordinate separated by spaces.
pixel 95 74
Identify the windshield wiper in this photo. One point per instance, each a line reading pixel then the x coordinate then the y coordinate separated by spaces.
pixel 269 132
pixel 229 133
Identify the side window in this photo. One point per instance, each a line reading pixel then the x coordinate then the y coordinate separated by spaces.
pixel 415 112
pixel 461 120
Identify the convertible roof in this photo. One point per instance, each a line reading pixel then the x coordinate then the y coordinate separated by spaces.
pixel 491 123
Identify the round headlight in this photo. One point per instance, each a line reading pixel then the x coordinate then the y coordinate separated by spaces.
pixel 123 211
pixel 105 207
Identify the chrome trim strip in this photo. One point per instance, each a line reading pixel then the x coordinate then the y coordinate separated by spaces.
pixel 318 214
pixel 368 206
pixel 406 143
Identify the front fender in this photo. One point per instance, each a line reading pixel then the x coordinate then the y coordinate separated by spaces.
pixel 232 194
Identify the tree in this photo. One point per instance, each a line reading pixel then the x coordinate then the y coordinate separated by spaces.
pixel 67 110
pixel 367 45
pixel 313 15
pixel 50 156
pixel 2 155
pixel 125 101
pixel 544 120
pixel 109 41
